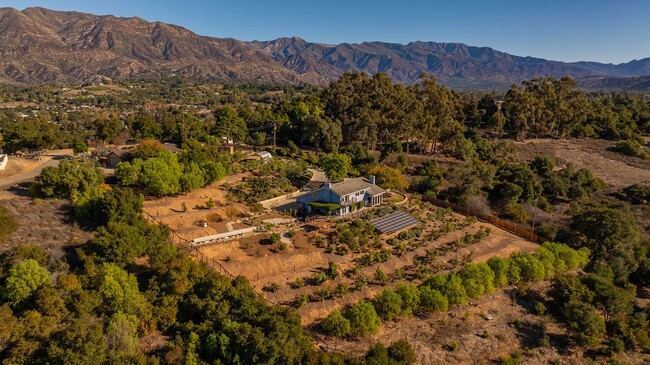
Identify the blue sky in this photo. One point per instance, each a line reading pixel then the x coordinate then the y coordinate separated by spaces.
pixel 571 30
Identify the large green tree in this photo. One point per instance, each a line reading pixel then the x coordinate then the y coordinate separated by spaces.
pixel 337 166
pixel 23 281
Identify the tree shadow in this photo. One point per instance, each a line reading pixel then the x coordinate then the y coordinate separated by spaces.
pixel 71 255
pixel 529 334
pixel 21 189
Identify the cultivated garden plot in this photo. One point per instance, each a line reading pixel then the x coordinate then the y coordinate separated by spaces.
pixel 230 204
pixel 325 265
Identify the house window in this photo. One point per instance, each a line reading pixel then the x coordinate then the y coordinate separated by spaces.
pixel 315 194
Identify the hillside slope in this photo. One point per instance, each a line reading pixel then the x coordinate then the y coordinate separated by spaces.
pixel 45 46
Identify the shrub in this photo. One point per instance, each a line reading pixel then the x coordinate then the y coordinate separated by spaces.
pixel 319 278
pixel 455 290
pixel 515 212
pixel 333 270
pixel 300 300
pixel 638 194
pixel 585 322
pixel 433 300
pixel 210 203
pixel 381 276
pixel 632 148
pixel 7 224
pixel 342 289
pixel 274 238
pixel 530 268
pixel 271 287
pixel 378 354
pixel 25 279
pixel 499 267
pixel 363 319
pixel 335 324
pixel 453 346
pixel 281 246
pixel 410 295
pixel 401 352
pixel 361 282
pixel 513 359
pixel 388 304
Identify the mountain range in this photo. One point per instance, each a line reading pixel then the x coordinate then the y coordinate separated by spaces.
pixel 41 46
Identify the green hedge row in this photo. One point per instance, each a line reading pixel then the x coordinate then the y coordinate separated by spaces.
pixel 439 291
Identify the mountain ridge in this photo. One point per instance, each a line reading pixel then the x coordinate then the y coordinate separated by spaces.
pixel 42 46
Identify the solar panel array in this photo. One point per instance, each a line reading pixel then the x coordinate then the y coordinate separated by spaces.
pixel 394 222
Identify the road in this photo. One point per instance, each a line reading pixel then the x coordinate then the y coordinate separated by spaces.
pixel 27 175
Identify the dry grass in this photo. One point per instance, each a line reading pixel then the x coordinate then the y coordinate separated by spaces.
pixel 45 223
pixel 616 170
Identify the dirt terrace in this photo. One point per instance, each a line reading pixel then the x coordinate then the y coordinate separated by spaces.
pixel 256 259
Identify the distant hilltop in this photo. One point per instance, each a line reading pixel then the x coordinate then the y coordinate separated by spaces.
pixel 41 46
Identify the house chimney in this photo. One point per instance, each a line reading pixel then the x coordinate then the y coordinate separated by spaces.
pixel 372 179
pixel 327 184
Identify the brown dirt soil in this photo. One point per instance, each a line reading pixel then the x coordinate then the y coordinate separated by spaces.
pixel 615 169
pixel 262 264
pixel 17 104
pixel 168 210
pixel 45 223
pixel 432 334
pixel 19 165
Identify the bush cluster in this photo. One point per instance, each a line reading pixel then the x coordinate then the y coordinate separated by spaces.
pixel 457 288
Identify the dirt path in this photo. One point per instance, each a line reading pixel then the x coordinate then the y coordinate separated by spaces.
pixel 29 174
pixel 21 169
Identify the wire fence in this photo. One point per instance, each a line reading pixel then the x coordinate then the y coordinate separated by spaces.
pixel 507 226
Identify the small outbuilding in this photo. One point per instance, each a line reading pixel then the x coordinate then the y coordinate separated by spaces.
pixel 116 156
pixel 262 155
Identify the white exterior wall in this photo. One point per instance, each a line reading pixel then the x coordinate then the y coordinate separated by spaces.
pixel 3 161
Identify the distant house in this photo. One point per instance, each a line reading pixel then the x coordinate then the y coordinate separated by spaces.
pixel 116 156
pixel 343 197
pixel 263 155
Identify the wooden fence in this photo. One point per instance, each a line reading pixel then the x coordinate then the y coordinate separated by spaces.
pixel 507 226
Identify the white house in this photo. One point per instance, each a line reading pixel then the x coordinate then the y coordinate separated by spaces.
pixel 349 195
